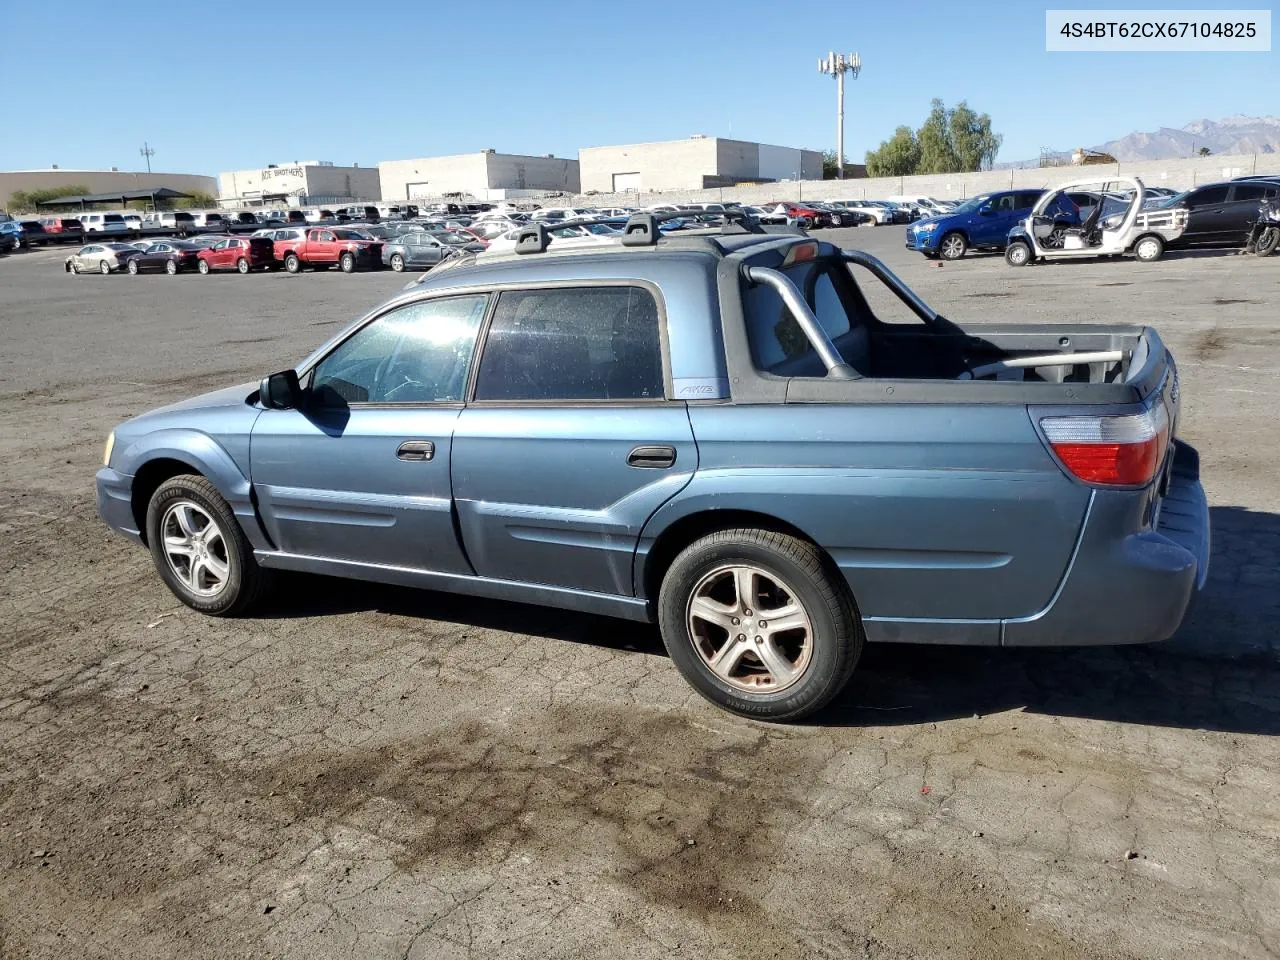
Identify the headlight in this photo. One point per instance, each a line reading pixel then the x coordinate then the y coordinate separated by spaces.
pixel 106 451
pixel 926 227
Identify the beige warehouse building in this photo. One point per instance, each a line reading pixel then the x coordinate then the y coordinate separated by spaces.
pixel 487 175
pixel 99 181
pixel 297 183
pixel 697 163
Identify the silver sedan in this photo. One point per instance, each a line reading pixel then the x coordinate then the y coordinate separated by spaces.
pixel 101 258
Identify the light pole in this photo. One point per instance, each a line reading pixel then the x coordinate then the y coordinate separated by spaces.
pixel 837 65
pixel 147 151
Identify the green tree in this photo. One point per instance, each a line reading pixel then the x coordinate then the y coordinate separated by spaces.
pixel 937 152
pixel 830 165
pixel 896 157
pixel 197 201
pixel 974 143
pixel 24 201
pixel 951 140
pixel 1205 151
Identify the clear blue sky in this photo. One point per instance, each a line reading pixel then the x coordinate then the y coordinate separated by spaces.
pixel 206 83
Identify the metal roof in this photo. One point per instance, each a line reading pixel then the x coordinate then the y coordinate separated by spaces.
pixel 159 193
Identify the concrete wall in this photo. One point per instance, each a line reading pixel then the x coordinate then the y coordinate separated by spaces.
pixel 355 183
pixel 1177 174
pixel 686 164
pixel 101 181
pixel 476 174
pixel 516 172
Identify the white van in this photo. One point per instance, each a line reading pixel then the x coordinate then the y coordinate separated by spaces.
pixel 206 219
pixel 929 206
pixel 175 220
pixel 103 223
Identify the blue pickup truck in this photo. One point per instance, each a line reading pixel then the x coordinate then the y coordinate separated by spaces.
pixel 713 431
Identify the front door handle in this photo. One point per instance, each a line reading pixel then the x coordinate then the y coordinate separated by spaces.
pixel 416 450
pixel 654 458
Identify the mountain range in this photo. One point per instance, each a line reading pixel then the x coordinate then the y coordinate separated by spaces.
pixel 1236 134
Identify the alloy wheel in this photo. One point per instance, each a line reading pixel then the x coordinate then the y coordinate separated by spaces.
pixel 750 628
pixel 195 548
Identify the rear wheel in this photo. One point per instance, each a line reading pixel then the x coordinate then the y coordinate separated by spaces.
pixel 347 262
pixel 1148 249
pixel 397 263
pixel 953 246
pixel 203 266
pixel 1017 254
pixel 242 265
pixel 199 549
pixel 757 624
pixel 170 267
pixel 103 267
pixel 133 267
pixel 1268 242
pixel 292 264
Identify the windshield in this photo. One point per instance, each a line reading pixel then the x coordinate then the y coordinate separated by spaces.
pixel 972 204
pixel 352 235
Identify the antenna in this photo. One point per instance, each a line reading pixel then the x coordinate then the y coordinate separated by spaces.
pixel 837 65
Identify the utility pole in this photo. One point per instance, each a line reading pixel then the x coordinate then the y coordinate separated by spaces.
pixel 837 65
pixel 147 151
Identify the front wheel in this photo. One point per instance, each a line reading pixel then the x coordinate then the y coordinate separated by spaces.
pixel 757 624
pixel 203 266
pixel 953 246
pixel 1268 242
pixel 1017 254
pixel 1149 249
pixel 199 549
pixel 170 267
pixel 347 262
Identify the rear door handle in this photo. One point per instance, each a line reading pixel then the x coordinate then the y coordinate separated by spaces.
pixel 654 458
pixel 416 450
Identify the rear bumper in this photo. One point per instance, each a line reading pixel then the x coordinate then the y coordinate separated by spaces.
pixel 1130 589
pixel 115 503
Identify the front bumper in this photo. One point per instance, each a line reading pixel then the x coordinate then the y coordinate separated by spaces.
pixel 115 502
pixel 922 242
pixel 1133 588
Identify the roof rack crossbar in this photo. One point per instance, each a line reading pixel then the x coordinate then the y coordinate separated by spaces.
pixel 532 239
pixel 642 228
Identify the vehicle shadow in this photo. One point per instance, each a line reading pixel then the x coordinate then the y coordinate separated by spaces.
pixel 1221 671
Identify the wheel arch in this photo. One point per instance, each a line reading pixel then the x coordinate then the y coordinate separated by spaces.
pixel 653 563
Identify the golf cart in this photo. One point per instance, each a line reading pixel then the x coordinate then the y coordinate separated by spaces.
pixel 1113 227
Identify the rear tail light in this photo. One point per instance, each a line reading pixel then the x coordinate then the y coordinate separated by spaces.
pixel 1123 451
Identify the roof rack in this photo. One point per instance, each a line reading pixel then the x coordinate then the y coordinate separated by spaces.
pixel 642 228
pixel 532 239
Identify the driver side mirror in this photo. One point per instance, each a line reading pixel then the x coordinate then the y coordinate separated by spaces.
pixel 281 391
pixel 986 210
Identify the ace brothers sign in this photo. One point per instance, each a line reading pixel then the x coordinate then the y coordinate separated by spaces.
pixel 284 180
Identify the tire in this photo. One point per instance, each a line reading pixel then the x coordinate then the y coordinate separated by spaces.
pixel 347 262
pixel 236 582
pixel 816 657
pixel 397 263
pixel 104 268
pixel 242 265
pixel 1017 254
pixel 1268 242
pixel 292 264
pixel 133 267
pixel 1148 249
pixel 202 266
pixel 171 268
pixel 952 246
pixel 73 268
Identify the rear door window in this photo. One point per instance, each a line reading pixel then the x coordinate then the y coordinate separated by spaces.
pixel 573 344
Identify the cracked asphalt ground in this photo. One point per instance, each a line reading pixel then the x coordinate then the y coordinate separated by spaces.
pixel 365 772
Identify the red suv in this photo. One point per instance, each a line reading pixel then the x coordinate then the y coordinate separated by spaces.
pixel 237 253
pixel 61 225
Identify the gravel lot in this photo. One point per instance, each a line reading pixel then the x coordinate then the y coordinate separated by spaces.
pixel 365 772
